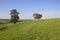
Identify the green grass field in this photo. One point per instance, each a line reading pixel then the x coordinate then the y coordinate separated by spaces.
pixel 31 30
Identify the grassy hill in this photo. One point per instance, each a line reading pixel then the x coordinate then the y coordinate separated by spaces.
pixel 31 30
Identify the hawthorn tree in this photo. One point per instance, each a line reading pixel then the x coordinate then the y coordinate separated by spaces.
pixel 14 15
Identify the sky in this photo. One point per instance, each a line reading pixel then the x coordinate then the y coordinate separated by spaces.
pixel 26 8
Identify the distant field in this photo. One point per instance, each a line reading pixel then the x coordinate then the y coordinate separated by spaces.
pixel 31 30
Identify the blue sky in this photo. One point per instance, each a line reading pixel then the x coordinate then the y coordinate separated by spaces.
pixel 26 8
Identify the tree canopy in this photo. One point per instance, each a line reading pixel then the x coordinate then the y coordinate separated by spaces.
pixel 37 16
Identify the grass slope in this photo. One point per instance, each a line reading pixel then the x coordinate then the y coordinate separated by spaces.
pixel 31 30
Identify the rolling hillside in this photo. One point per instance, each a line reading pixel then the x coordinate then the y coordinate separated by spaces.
pixel 31 30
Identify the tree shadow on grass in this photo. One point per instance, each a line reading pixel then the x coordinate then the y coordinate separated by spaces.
pixel 3 28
